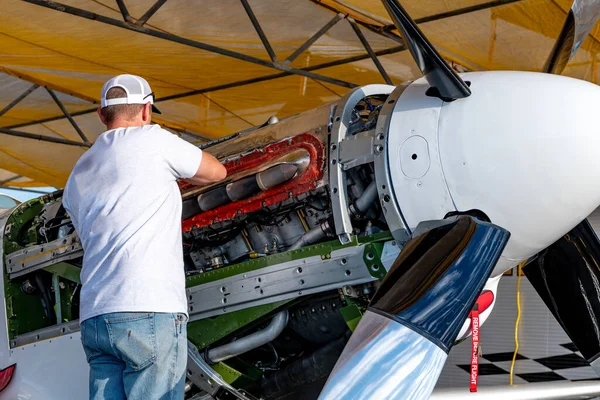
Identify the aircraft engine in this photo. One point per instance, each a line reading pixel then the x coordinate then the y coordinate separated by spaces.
pixel 278 194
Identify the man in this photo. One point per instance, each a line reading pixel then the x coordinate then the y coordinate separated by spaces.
pixel 125 204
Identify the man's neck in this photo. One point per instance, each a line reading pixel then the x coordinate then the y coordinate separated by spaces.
pixel 123 124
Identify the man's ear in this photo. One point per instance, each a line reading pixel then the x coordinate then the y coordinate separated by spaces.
pixel 101 116
pixel 147 112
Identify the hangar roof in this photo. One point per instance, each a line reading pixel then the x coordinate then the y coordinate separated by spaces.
pixel 220 66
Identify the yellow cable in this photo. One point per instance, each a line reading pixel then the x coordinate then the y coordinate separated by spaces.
pixel 512 365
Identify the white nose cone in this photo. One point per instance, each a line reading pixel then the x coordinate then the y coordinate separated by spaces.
pixel 525 149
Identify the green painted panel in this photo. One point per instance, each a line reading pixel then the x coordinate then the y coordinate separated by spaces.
pixel 65 270
pixel 25 312
pixel 228 373
pixel 69 312
pixel 372 258
pixel 352 315
pixel 204 332
pixel 238 373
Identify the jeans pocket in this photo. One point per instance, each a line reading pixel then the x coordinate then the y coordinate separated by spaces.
pixel 88 339
pixel 133 339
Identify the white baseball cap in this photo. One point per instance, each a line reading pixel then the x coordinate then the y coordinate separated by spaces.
pixel 137 89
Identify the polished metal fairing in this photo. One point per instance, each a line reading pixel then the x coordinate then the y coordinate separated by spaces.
pixel 399 347
pixel 385 360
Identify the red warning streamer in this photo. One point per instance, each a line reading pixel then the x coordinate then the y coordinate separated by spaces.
pixel 474 347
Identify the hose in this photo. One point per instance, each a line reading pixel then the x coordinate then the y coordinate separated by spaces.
pixel 365 200
pixel 310 237
pixel 250 342
pixel 45 298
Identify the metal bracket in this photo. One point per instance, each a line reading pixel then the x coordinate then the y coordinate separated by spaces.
pixel 379 257
pixel 203 376
pixel 50 332
pixel 357 150
pixel 287 280
pixel 372 257
pixel 337 174
pixel 32 258
pixel 58 305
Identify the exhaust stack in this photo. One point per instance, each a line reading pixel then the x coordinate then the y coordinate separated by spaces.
pixel 247 186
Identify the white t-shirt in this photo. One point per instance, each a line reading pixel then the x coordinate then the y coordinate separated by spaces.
pixel 125 204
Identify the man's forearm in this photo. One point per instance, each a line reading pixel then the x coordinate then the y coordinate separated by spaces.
pixel 199 181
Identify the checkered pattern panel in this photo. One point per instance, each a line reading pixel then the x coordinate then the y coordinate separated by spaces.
pixel 571 366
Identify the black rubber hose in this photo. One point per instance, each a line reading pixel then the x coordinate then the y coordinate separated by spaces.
pixel 45 298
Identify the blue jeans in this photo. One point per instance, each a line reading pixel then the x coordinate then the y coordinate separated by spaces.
pixel 136 355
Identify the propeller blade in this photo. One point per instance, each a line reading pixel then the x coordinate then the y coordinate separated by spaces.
pixel 581 19
pixel 440 76
pixel 399 347
pixel 567 277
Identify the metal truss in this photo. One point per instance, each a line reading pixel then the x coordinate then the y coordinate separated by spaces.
pixel 314 38
pixel 130 23
pixel 227 85
pixel 125 12
pixel 370 51
pixel 184 41
pixel 13 129
pixel 18 99
pixel 66 113
pixel 387 28
pixel 144 18
pixel 11 132
pixel 42 138
pixel 12 178
pixel 259 31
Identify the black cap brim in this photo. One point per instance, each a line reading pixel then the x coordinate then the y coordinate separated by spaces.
pixel 155 110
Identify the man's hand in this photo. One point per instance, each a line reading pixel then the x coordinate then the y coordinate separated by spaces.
pixel 210 171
